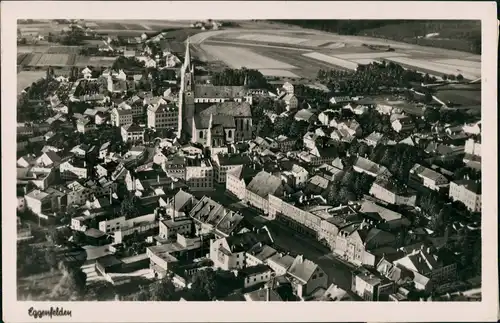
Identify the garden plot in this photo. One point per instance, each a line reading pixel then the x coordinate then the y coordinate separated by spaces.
pixel 52 60
pixel 63 50
pixel 436 67
pixel 373 55
pixel 332 60
pixel 277 72
pixel 273 39
pixel 237 57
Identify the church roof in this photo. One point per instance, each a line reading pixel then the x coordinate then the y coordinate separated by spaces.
pixel 216 91
pixel 223 114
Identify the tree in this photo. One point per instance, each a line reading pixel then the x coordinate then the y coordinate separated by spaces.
pixel 129 207
pixel 204 285
pixel 460 77
pixel 432 115
pixel 264 127
pixel 56 237
pixel 163 290
pixel 78 237
pixel 73 283
pixel 444 77
pixel 279 106
pixel 143 295
pixel 298 128
pixel 282 126
pixel 51 258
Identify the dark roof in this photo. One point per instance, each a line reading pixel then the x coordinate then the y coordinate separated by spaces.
pixel 246 241
pixel 133 128
pixel 223 114
pixel 222 91
pixel 471 185
pixel 258 269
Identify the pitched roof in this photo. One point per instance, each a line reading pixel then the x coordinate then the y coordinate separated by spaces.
pixel 386 214
pixel 283 260
pixel 374 238
pixel 369 166
pixel 426 173
pixel 246 241
pixel 470 185
pixel 132 127
pixel 302 269
pixel 219 91
pixel 220 113
pixel 261 295
pixel 375 136
pixel 229 222
pixel 262 252
pixel 264 184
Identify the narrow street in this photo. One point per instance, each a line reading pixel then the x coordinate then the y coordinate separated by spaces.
pixel 338 272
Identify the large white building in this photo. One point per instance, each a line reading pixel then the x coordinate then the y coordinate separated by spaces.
pixel 468 192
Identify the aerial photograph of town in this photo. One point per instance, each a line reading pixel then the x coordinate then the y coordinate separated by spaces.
pixel 249 160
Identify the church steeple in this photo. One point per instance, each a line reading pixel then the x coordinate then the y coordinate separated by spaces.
pixel 187 56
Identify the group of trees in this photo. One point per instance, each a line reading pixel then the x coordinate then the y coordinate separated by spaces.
pixel 208 284
pixel 235 77
pixel 398 159
pixel 72 285
pixel 72 37
pixel 162 290
pixel 127 63
pixel 350 187
pixel 372 79
pixel 434 206
pixel 86 87
pixel 287 126
pixel 371 121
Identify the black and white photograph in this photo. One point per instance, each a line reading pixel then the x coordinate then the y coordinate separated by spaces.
pixel 242 160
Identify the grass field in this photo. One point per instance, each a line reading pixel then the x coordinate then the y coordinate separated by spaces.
pixel 335 61
pixel 237 57
pixel 460 97
pixel 437 68
pixel 63 50
pixel 372 55
pixel 26 78
pixel 37 287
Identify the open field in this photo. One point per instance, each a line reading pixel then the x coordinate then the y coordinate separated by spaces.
pixel 50 60
pixel 26 78
pixel 364 61
pixel 437 68
pixel 38 286
pixel 308 51
pixel 237 57
pixel 272 39
pixel 335 61
pixel 249 43
pixel 460 97
pixel 277 72
pixel 64 49
pixel 372 55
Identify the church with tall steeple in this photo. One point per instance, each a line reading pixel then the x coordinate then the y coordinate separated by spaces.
pixel 212 115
